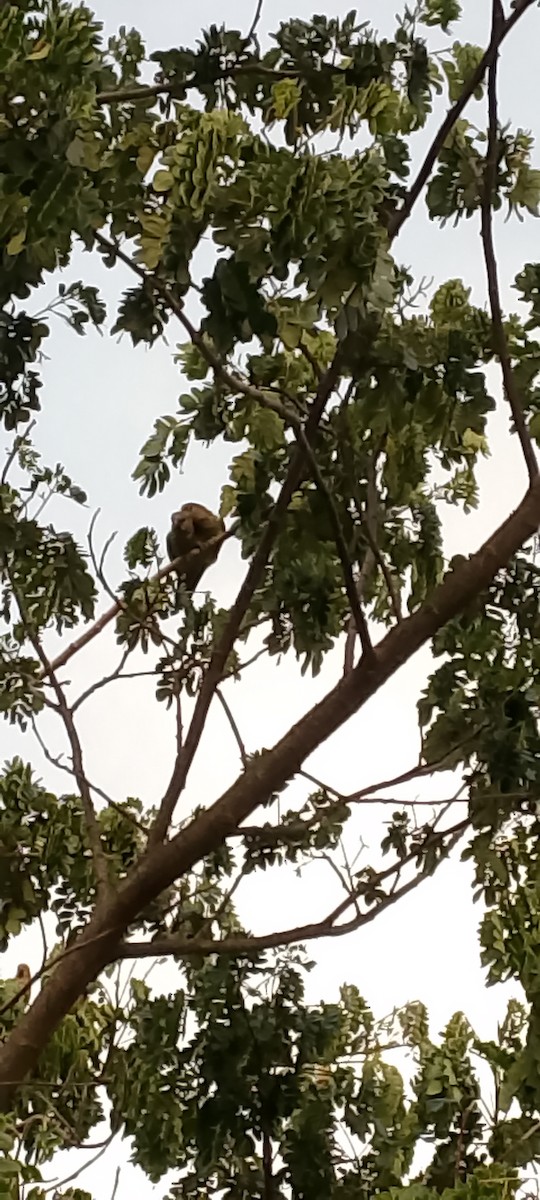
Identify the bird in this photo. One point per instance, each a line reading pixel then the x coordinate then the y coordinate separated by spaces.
pixel 194 527
pixel 10 989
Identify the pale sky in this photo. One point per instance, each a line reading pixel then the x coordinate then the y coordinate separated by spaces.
pixel 100 400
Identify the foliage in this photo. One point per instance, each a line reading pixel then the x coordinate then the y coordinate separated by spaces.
pixel 356 407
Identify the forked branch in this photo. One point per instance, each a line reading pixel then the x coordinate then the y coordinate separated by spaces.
pixel 97 627
pixel 329 926
pixel 497 37
pixel 99 857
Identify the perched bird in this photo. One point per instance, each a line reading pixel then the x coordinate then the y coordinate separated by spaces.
pixel 192 527
pixel 10 1001
pixel 23 975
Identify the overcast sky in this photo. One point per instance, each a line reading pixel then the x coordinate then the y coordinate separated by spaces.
pixel 101 398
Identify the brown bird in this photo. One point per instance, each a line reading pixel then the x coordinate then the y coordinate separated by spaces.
pixel 192 527
pixel 10 1000
pixel 23 975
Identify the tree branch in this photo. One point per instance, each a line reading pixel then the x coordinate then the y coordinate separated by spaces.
pixel 101 866
pixel 18 442
pixel 370 529
pixel 294 475
pixel 490 183
pixel 216 667
pixel 353 594
pixel 398 219
pixel 255 21
pixel 151 91
pixel 234 727
pixel 139 92
pixel 98 943
pixel 233 381
pixel 369 525
pixel 178 564
pixel 183 947
pixel 326 385
pixel 99 858
pixel 61 766
pixel 285 834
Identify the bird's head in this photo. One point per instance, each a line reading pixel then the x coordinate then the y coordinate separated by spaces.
pixel 182 519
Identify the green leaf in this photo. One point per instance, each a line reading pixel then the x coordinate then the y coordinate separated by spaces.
pixel 16 243
pixel 162 181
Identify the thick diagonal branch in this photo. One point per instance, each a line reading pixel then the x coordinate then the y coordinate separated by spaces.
pixel 99 943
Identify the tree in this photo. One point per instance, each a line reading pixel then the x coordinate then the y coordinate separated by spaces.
pixel 353 420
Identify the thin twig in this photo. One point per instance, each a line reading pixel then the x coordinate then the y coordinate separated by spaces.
pixel 99 566
pixel 151 91
pixel 80 1170
pixel 60 766
pixel 365 570
pixel 246 944
pixel 256 18
pixel 248 662
pixel 106 679
pixel 268 1167
pixel 236 732
pixel 286 834
pixel 17 443
pixel 99 857
pixel 43 940
pixel 341 545
pixel 366 885
pixel 231 379
pixel 224 902
pixel 497 322
pixel 420 770
pixel 343 876
pixel 92 825
pixel 44 502
pixel 178 564
pixel 179 720
pixel 310 358
pixel 370 527
pixel 271 835
pixel 116 1182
